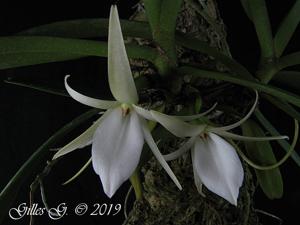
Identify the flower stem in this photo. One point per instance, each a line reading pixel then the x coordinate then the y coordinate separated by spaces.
pixel 137 184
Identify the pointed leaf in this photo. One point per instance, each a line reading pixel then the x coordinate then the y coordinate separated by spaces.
pixel 270 180
pixel 17 51
pixel 288 96
pixel 287 28
pixel 245 5
pixel 190 42
pixel 259 15
pixel 284 106
pixel 289 80
pixel 292 59
pixel 88 28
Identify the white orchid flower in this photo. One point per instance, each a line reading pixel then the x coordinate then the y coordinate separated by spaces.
pixel 215 162
pixel 118 136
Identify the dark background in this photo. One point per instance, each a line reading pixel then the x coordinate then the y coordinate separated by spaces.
pixel 28 117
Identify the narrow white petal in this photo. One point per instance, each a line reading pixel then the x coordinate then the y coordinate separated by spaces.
pixel 234 125
pixel 176 126
pixel 197 116
pixel 184 148
pixel 143 112
pixel 119 73
pixel 157 154
pixel 93 102
pixel 245 138
pixel 219 167
pixel 116 150
pixel 197 179
pixel 82 140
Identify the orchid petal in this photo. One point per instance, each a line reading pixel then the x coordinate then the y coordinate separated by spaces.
pixel 184 148
pixel 116 150
pixel 197 179
pixel 245 138
pixel 119 73
pixel 93 102
pixel 176 126
pixel 82 140
pixel 234 125
pixel 143 112
pixel 149 139
pixel 197 116
pixel 218 167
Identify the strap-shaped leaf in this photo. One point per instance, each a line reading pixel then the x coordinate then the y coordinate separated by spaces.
pixel 91 28
pixel 288 96
pixel 292 59
pixel 270 180
pixel 153 10
pixel 284 106
pixel 289 80
pixel 162 15
pixel 203 47
pixel 24 51
pixel 287 29
pixel 88 28
pixel 245 5
pixel 260 18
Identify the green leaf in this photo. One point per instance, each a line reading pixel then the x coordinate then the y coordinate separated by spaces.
pixel 292 59
pixel 203 47
pixel 162 16
pixel 287 29
pixel 289 80
pixel 88 28
pixel 284 106
pixel 39 157
pixel 91 28
pixel 288 96
pixel 24 51
pixel 245 5
pixel 260 18
pixel 272 130
pixel 262 153
pixel 153 10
